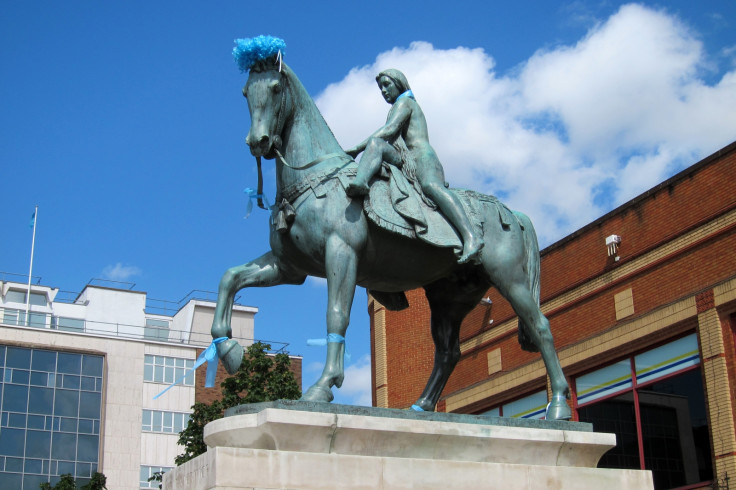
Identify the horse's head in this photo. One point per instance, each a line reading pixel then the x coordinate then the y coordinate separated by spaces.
pixel 267 92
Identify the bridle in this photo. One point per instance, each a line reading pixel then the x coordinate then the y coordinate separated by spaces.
pixel 277 143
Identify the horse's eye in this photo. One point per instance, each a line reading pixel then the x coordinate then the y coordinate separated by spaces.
pixel 276 87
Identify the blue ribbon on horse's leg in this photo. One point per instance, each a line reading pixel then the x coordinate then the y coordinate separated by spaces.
pixel 209 355
pixel 332 338
pixel 252 193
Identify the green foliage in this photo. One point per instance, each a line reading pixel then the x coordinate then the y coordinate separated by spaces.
pixel 67 482
pixel 261 378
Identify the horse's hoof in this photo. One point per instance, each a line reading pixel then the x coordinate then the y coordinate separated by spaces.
pixel 230 353
pixel 317 393
pixel 558 409
pixel 423 405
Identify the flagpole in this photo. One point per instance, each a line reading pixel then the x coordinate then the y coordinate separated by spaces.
pixel 30 270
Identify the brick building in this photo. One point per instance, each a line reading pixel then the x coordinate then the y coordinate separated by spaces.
pixel 645 335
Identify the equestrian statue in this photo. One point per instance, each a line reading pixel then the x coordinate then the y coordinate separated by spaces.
pixel 389 224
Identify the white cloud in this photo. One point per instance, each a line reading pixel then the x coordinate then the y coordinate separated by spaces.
pixel 120 272
pixel 356 389
pixel 572 132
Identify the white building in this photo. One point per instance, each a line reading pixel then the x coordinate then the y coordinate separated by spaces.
pixel 78 381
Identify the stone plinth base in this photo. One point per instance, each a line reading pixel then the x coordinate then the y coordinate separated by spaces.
pixel 297 445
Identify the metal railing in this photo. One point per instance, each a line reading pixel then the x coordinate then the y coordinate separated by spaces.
pixel 17 318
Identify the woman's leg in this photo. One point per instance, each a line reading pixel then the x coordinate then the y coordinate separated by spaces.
pixel 376 152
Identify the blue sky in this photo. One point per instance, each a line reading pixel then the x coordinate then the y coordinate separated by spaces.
pixel 124 122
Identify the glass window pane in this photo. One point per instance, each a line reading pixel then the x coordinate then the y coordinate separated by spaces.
pixel 92 365
pixel 86 426
pixel 36 422
pixel 39 379
pixel 88 383
pixel 65 467
pixel 17 420
pixel 14 464
pixel 15 398
pixel 529 407
pixel 158 375
pixel 66 403
pixel 87 448
pixel 40 400
pixel 44 360
pixel 18 358
pixel 33 466
pixel 14 296
pixel 70 324
pixel 168 375
pixel 675 430
pixel 64 446
pixel 604 382
pixel 33 481
pixel 615 415
pixel 89 405
pixel 147 372
pixel 68 424
pixel 20 376
pixel 71 381
pixel 69 363
pixel 168 421
pixel 11 480
pixel 38 299
pixel 38 444
pixel 157 421
pixel 84 469
pixel 667 359
pixel 12 441
pixel 169 361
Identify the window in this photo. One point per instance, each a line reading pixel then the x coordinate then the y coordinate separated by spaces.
pixel 18 318
pixel 157 329
pixel 532 406
pixel 166 422
pixel 148 471
pixel 655 405
pixel 50 408
pixel 37 299
pixel 162 369
pixel 67 324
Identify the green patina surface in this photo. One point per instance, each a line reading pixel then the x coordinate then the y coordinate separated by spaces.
pixel 333 408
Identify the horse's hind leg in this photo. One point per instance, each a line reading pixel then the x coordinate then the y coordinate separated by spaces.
pixel 449 305
pixel 263 272
pixel 536 327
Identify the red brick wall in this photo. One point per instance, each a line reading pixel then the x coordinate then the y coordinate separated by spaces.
pixel 692 198
pixel 208 395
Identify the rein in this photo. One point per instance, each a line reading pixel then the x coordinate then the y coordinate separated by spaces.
pixel 279 128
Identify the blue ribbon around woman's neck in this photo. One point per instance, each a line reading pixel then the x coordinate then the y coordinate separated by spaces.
pixel 252 193
pixel 210 357
pixel 408 93
pixel 332 338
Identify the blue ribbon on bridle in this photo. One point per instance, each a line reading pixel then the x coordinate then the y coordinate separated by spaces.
pixel 253 194
pixel 210 357
pixel 332 338
pixel 408 93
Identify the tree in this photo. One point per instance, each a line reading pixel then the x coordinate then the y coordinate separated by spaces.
pixel 67 482
pixel 261 378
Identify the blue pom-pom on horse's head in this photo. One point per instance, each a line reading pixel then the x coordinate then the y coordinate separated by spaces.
pixel 250 53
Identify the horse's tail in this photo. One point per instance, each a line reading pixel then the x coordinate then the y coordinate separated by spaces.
pixel 533 272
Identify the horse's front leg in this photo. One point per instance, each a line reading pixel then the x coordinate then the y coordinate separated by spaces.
pixel 341 264
pixel 265 271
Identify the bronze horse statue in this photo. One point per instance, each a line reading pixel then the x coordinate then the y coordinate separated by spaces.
pixel 317 230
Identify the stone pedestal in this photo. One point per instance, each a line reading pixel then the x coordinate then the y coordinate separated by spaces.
pixel 298 445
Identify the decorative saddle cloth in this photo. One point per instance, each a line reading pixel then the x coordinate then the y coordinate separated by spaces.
pixel 395 205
